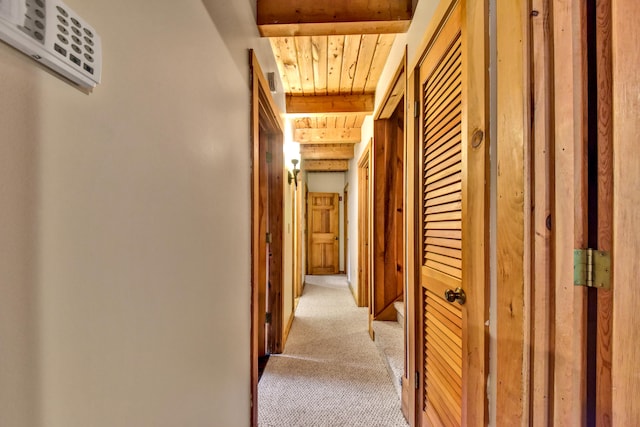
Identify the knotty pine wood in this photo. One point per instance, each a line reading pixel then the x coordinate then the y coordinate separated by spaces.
pixel 542 187
pixel 335 53
pixel 330 11
pixel 305 59
pixel 349 63
pixel 626 216
pixel 335 28
pixel 330 104
pixel 326 151
pixel 570 221
pixel 328 135
pixel 383 47
pixel 475 220
pixel 284 50
pixel 512 237
pixel 274 17
pixel 366 53
pixel 320 46
pixel 325 165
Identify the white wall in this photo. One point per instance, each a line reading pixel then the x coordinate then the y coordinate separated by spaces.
pixel 330 182
pixel 124 224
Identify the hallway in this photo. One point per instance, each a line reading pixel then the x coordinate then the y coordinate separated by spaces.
pixel 331 373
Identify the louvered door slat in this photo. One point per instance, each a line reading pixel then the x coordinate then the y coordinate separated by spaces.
pixel 442 243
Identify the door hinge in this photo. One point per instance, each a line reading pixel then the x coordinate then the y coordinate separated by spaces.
pixel 416 107
pixel 267 318
pixel 268 237
pixel 416 384
pixel 268 156
pixel 592 268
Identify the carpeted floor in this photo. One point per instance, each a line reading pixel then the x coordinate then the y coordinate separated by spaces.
pixel 331 373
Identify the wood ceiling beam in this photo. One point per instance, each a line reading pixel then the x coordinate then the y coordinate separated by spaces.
pixel 326 151
pixel 325 165
pixel 328 135
pixel 330 104
pixel 280 18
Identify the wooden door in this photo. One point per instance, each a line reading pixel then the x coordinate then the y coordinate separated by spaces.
pixel 454 226
pixel 388 214
pixel 267 231
pixel 323 233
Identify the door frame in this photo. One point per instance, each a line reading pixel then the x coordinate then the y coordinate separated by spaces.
pixel 364 229
pixel 345 221
pixel 384 136
pixel 397 92
pixel 265 115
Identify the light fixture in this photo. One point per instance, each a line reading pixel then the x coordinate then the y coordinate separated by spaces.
pixel 293 174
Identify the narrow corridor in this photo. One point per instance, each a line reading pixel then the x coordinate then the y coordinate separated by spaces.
pixel 331 373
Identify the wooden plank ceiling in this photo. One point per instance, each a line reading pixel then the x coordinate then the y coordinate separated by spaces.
pixel 330 79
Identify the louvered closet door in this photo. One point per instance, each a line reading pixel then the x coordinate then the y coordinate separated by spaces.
pixel 442 175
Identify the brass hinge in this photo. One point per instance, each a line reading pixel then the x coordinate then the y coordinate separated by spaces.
pixel 592 268
pixel 269 156
pixel 416 108
pixel 268 237
pixel 417 381
pixel 267 318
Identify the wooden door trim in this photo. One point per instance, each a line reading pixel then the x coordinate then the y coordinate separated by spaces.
pixel 513 238
pixel 570 221
pixel 263 112
pixel 345 222
pixel 364 210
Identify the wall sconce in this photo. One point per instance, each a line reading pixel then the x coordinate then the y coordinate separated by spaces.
pixel 293 174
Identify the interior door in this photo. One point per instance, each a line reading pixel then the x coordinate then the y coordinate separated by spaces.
pixel 323 233
pixel 451 303
pixel 388 214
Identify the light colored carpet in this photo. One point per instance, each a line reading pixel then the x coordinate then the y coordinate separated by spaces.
pixel 331 373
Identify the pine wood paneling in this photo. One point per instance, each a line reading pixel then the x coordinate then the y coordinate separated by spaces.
pixel 542 169
pixel 319 46
pixel 511 240
pixel 368 45
pixel 626 215
pixel 304 55
pixel 570 222
pixel 334 63
pixel 349 63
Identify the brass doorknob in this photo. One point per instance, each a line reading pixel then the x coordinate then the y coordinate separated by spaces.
pixel 457 295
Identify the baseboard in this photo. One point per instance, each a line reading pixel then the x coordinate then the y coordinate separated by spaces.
pixel 353 292
pixel 285 336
